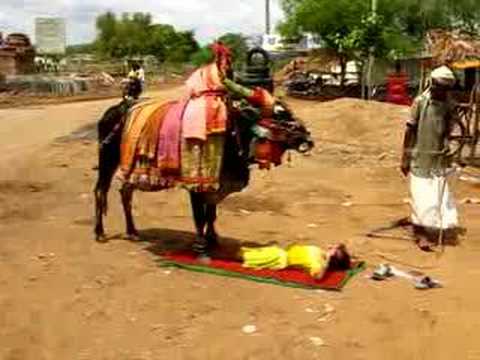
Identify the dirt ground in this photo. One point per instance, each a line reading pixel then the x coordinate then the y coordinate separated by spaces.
pixel 63 296
pixel 10 100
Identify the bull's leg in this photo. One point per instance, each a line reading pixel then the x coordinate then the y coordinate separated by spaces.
pixel 100 201
pixel 106 170
pixel 126 193
pixel 211 234
pixel 200 245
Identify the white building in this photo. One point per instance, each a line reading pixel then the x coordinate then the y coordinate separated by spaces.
pixel 50 35
pixel 275 43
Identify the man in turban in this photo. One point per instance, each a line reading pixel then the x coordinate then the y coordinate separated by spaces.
pixel 425 160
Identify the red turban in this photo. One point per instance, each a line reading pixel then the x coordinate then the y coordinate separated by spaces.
pixel 220 50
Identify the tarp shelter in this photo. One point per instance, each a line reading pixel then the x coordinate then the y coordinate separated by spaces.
pixel 458 50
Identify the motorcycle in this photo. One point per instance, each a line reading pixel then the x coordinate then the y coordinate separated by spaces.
pixel 304 83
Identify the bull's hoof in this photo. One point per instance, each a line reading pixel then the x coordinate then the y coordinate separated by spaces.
pixel 133 237
pixel 204 259
pixel 101 238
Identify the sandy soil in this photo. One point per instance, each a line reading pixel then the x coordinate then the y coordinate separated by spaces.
pixel 63 296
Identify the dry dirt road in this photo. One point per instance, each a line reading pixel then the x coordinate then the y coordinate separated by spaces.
pixel 63 296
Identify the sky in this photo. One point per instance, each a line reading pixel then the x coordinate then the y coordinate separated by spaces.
pixel 208 18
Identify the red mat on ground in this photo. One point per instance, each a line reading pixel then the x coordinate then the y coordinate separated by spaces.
pixel 333 280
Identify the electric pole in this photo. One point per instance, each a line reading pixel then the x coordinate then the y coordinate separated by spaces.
pixel 371 58
pixel 267 17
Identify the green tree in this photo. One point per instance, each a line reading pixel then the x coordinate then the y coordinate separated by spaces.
pixel 238 44
pixel 349 28
pixel 343 25
pixel 80 49
pixel 235 42
pixel 203 56
pixel 182 47
pixel 107 30
pixel 136 35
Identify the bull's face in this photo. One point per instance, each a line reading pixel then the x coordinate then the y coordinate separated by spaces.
pixel 293 133
pixel 282 132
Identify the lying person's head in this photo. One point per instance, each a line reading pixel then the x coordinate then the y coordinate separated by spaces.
pixel 338 258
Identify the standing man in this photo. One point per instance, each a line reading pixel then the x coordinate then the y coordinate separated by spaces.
pixel 425 159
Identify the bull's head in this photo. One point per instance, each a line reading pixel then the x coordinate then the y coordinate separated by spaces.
pixel 280 133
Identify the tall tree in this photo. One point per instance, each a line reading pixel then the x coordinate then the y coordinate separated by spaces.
pixel 348 27
pixel 238 44
pixel 135 34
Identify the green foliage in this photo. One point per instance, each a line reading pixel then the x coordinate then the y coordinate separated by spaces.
pixel 349 27
pixel 203 56
pixel 236 42
pixel 80 49
pixel 136 35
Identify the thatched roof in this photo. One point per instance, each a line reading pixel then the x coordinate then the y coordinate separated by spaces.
pixel 453 48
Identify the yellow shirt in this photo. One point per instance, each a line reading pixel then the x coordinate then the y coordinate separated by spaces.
pixel 311 258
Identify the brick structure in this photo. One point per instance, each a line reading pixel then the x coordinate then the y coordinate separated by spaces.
pixel 17 55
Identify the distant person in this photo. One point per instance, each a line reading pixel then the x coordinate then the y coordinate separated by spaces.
pixel 425 159
pixel 136 79
pixel 138 73
pixel 141 76
pixel 2 42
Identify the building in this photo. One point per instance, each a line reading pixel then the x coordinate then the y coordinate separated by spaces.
pixel 16 55
pixel 276 43
pixel 50 36
pixel 254 40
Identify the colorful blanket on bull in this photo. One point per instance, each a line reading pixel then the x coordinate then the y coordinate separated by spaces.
pixel 143 160
pixel 155 155
pixel 289 277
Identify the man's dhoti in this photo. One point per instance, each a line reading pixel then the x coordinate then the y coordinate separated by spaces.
pixel 433 205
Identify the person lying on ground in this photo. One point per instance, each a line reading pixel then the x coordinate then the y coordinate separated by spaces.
pixel 313 259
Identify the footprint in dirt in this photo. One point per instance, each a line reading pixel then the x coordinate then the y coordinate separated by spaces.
pixel 12 199
pixel 84 222
pixel 14 186
pixel 254 204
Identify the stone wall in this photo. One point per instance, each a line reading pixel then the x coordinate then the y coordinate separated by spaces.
pixel 7 63
pixel 17 55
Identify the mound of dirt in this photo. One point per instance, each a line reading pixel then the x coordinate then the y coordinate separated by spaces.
pixel 354 132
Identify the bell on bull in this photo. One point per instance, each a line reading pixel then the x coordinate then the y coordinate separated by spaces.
pixel 257 73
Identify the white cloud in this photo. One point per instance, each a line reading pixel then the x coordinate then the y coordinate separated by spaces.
pixel 208 18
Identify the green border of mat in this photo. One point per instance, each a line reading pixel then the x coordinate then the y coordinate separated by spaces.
pixel 226 273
